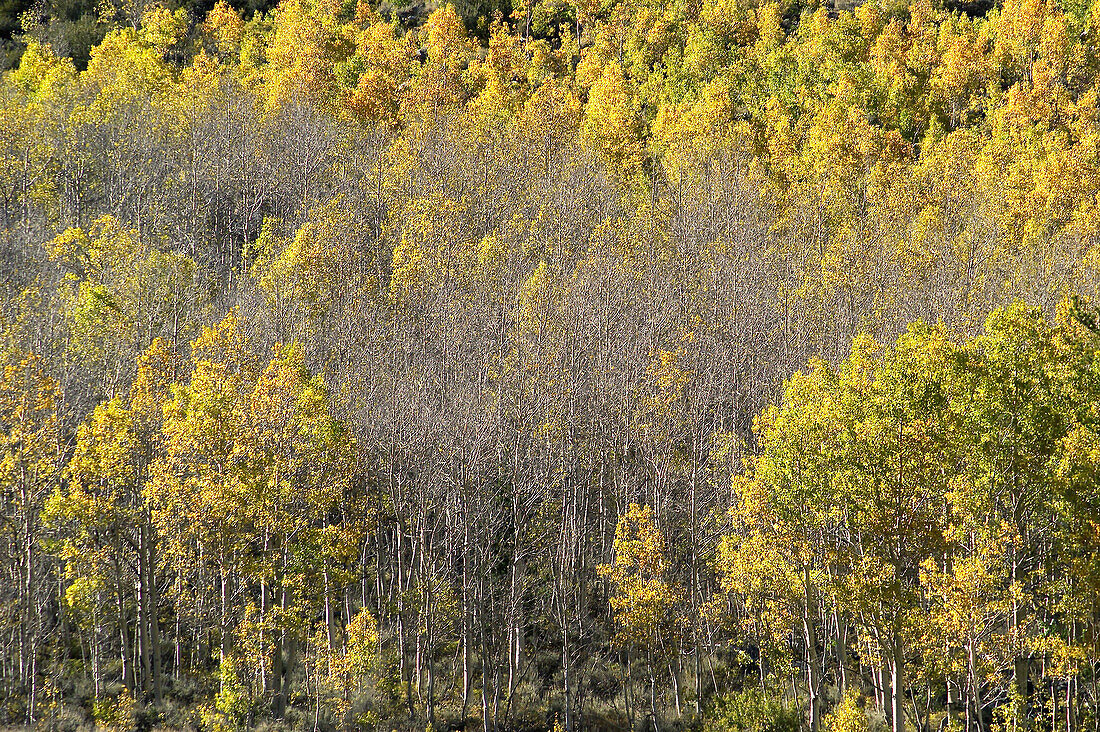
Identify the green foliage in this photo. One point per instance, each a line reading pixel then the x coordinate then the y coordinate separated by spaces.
pixel 751 710
pixel 849 715
pixel 115 714
pixel 231 703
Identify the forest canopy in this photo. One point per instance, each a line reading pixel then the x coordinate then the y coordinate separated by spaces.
pixel 627 364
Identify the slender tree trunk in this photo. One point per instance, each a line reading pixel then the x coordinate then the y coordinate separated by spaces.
pixel 841 650
pixel 813 681
pixel 675 675
pixel 652 693
pixel 29 621
pixel 144 654
pixel 897 683
pixel 124 637
pixel 882 693
pixel 952 699
pixel 152 609
pixel 467 630
pixel 975 698
pixel 566 680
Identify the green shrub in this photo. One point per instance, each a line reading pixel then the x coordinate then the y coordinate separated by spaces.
pixel 849 715
pixel 750 711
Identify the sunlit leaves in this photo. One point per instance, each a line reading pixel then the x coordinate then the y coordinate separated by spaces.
pixel 250 450
pixel 119 294
pixel 646 604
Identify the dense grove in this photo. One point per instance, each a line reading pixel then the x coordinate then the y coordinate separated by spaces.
pixel 359 371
